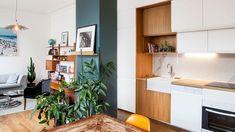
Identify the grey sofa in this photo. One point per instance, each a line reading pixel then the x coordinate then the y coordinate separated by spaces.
pixel 20 84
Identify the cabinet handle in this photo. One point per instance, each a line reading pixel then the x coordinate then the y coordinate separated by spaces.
pixel 220 113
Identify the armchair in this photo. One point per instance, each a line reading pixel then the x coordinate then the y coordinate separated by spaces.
pixel 43 87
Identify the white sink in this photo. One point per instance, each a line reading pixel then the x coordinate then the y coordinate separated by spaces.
pixel 159 84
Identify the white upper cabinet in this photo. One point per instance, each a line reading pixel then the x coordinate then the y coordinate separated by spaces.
pixel 192 42
pixel 187 15
pixel 221 41
pixel 218 14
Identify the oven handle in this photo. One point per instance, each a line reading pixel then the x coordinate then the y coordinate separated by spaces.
pixel 220 113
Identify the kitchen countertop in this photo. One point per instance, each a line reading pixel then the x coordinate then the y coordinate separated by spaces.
pixel 199 84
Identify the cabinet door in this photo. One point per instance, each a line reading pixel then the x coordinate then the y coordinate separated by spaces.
pixel 186 15
pixel 221 41
pixel 192 42
pixel 219 13
pixel 186 108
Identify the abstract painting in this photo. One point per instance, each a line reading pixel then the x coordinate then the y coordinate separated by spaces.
pixel 86 38
pixel 8 43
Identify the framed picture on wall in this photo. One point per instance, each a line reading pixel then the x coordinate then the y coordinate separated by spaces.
pixel 64 38
pixel 8 42
pixel 86 39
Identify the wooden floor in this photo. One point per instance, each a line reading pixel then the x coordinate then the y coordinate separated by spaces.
pixel 156 126
pixel 22 122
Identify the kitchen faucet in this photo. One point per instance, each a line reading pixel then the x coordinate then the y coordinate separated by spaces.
pixel 171 70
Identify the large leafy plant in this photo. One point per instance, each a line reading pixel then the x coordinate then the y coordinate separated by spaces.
pixel 93 88
pixel 54 106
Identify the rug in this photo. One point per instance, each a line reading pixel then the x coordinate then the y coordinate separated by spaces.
pixel 30 105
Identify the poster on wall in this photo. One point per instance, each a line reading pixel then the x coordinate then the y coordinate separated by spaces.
pixel 86 38
pixel 8 43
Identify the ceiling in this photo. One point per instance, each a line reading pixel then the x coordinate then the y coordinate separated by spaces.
pixel 39 6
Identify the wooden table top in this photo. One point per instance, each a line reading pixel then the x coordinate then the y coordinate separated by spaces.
pixel 97 123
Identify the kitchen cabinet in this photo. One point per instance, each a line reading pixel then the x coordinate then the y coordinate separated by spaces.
pixel 218 14
pixel 187 15
pixel 155 105
pixel 186 107
pixel 195 42
pixel 221 41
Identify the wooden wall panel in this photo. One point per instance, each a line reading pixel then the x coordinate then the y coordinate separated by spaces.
pixel 157 20
pixel 155 105
pixel 143 61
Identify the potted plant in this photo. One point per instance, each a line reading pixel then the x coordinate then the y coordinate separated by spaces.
pixel 54 107
pixel 31 76
pixel 69 89
pixel 93 88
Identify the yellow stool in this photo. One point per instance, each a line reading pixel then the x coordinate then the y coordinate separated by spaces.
pixel 139 121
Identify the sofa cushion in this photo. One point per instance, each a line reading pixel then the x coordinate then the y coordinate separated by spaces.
pixel 3 86
pixel 12 79
pixel 4 77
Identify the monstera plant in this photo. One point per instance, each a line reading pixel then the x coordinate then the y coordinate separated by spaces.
pixel 31 71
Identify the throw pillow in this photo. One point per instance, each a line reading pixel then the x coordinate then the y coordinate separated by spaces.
pixel 12 79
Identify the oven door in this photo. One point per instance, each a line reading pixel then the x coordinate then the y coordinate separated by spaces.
pixel 218 120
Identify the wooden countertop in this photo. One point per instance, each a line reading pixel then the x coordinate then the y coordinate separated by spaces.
pixel 199 84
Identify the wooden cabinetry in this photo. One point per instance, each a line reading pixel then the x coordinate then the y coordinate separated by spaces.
pixel 157 20
pixel 51 65
pixel 192 42
pixel 155 105
pixel 218 13
pixel 187 15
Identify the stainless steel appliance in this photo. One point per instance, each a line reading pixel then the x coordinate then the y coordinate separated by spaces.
pixel 217 120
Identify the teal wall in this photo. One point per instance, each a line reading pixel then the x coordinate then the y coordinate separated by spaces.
pixel 103 13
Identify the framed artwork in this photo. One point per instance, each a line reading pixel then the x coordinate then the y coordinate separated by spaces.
pixel 86 38
pixel 64 38
pixel 8 42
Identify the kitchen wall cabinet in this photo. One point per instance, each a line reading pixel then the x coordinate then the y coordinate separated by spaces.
pixel 195 42
pixel 218 14
pixel 186 15
pixel 186 108
pixel 155 105
pixel 221 41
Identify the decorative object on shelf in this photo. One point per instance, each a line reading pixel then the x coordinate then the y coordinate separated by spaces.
pixel 8 43
pixel 31 71
pixel 86 38
pixel 64 38
pixel 52 42
pixel 16 27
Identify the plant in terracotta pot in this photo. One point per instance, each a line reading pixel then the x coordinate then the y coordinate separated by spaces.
pixel 69 89
pixel 54 107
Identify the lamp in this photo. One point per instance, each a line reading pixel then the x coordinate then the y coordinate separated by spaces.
pixel 16 27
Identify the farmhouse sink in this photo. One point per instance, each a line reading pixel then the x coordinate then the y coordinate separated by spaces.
pixel 159 84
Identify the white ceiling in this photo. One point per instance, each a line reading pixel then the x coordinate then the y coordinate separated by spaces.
pixel 40 6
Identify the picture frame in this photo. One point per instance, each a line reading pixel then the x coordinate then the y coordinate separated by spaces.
pixel 86 38
pixel 8 43
pixel 64 38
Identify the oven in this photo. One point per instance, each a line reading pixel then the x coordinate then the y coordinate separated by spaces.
pixel 217 120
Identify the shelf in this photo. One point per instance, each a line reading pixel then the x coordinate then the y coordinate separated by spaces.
pixel 84 53
pixel 70 46
pixel 65 72
pixel 162 53
pixel 161 34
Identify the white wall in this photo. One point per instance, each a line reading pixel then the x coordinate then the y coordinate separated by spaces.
pixel 220 68
pixel 31 42
pixel 64 20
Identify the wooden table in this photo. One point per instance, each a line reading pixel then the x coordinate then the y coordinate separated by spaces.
pixel 97 123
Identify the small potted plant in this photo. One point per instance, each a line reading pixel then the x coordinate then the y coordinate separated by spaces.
pixel 69 89
pixel 31 76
